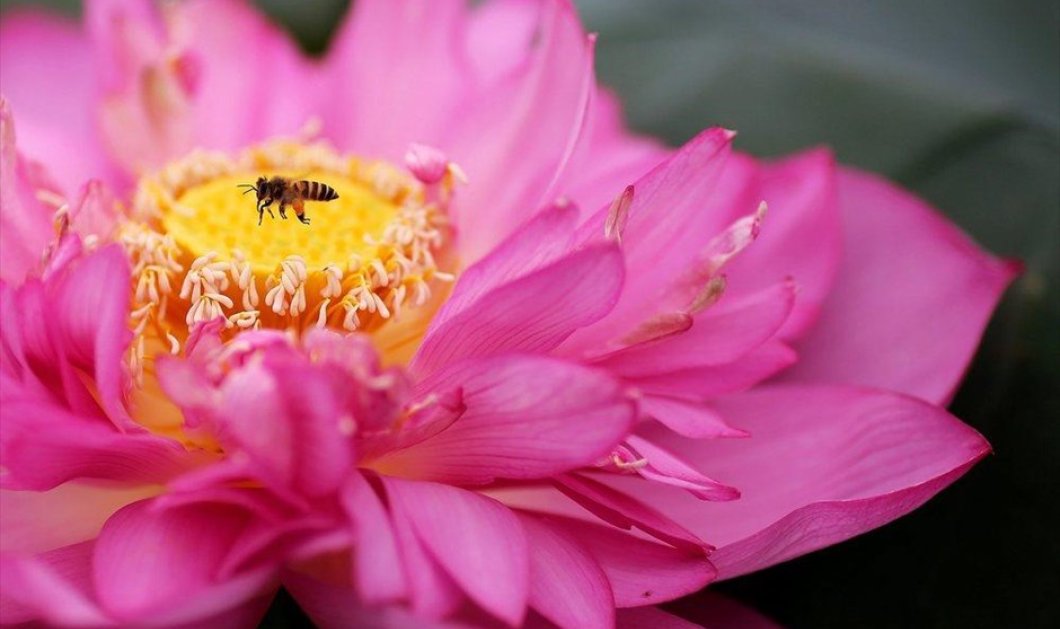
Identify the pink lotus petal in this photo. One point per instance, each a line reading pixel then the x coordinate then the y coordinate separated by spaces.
pixel 566 585
pixel 691 419
pixel 532 314
pixel 478 541
pixel 47 74
pixel 414 45
pixel 499 36
pixel 708 382
pixel 625 511
pixel 539 242
pixel 641 572
pixel 25 222
pixel 652 618
pixel 526 417
pixel 433 593
pixel 378 569
pixel 54 586
pixel 612 159
pixel 823 464
pixel 37 521
pixel 332 606
pixel 662 466
pixel 676 210
pixel 74 447
pixel 145 561
pixel 911 301
pixel 516 139
pixel 801 235
pixel 722 334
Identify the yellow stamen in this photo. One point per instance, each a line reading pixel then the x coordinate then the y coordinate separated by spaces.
pixel 199 254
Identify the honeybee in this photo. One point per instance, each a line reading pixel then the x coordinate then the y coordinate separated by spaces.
pixel 288 192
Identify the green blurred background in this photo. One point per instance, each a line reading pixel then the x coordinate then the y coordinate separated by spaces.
pixel 958 100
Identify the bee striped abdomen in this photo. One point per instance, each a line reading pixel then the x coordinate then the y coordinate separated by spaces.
pixel 316 191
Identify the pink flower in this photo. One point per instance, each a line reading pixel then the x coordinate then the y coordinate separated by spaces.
pixel 640 381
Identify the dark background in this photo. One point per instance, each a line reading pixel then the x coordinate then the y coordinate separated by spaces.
pixel 958 100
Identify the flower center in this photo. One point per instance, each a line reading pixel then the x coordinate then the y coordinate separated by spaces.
pixel 199 253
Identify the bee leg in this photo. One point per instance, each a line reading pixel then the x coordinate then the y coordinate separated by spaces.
pixel 283 210
pixel 264 207
pixel 299 210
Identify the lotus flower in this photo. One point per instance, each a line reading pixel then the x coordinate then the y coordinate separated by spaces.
pixel 528 368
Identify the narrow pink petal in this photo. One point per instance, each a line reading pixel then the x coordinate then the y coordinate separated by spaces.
pixel 93 301
pixel 479 542
pixel 641 572
pixel 146 561
pixel 37 521
pixel 613 158
pixel 652 618
pixel 911 301
pixel 823 464
pixel 333 606
pixel 539 242
pixel 47 74
pixel 525 417
pixel 662 466
pixel 625 511
pixel 801 235
pixel 44 446
pixel 517 138
pixel 566 585
pixel 721 334
pixel 54 586
pixel 532 314
pixel 415 45
pixel 25 222
pixel 702 383
pixel 691 419
pixel 499 36
pixel 377 569
pixel 677 209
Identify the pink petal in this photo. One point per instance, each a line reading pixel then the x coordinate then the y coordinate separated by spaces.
pixel 526 417
pixel 54 586
pixel 624 511
pixel 613 157
pixel 539 242
pixel 676 210
pixel 377 568
pixel 823 464
pixel 382 44
pixel 146 561
pixel 332 606
pixel 641 572
pixel 911 301
pixel 532 314
pixel 721 334
pixel 25 222
pixel 652 618
pixel 516 139
pixel 801 235
pixel 37 521
pixel 662 466
pixel 711 381
pixel 566 585
pixel 691 419
pixel 93 303
pixel 499 36
pixel 72 447
pixel 46 72
pixel 478 541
